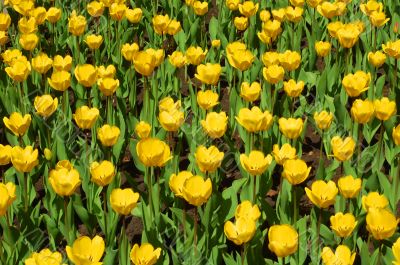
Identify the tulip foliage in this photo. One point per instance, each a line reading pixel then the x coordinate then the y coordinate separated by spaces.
pixel 199 132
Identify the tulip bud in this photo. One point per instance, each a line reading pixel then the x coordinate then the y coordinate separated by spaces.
pixel 254 120
pixel 215 124
pixel 291 128
pixel 108 135
pixel 349 186
pixel 48 154
pixel 283 240
pixel 207 99
pixel 295 171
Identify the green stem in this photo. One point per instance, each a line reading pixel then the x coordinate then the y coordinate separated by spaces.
pixel 26 193
pixel 66 221
pixel 295 208
pixel 105 212
pixel 195 232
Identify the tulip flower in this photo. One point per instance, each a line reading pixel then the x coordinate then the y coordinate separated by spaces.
pixel 250 92
pixel 17 123
pixel 102 173
pixel 123 201
pixel 142 129
pixel 396 252
pixel 215 124
pixel 195 55
pixel 322 194
pixel 86 117
pixel 19 69
pixel 216 43
pixel 377 59
pixel 274 73
pixel 76 24
pixel 283 240
pixel 200 8
pixel 53 14
pixel 95 8
pixel 144 254
pixel 134 15
pixel 290 60
pixel 129 51
pixel 144 63
pixel 362 111
pixel 47 154
pixel 270 58
pixel 24 160
pixel 3 38
pixel 295 171
pixel 384 108
pixel 5 21
pixel 94 41
pixel 62 63
pixel 7 196
pixel 176 182
pixel 378 19
pixel 294 14
pixel 255 163
pixel 374 200
pixel 343 149
pixel 208 73
pixel 208 159
pixel 207 99
pixel 314 3
pixel 196 190
pixel 355 84
pixel 248 8
pixel 45 105
pixel 323 119
pixel 381 223
pixel 342 255
pixel 291 128
pixel 349 186
pixel 42 63
pixel 328 9
pixel 45 256
pixel 153 152
pixel 27 25
pixel 292 88
pixel 396 134
pixel 169 105
pixel 64 179
pixel 240 232
pixel 392 48
pixel 160 23
pixel 177 59
pixel 265 15
pixel 158 56
pixel 5 154
pixel 86 75
pixel 238 56
pixel 322 48
pixel 343 224
pixel 86 251
pixel 39 13
pixel 247 210
pixel 371 6
pixel 348 35
pixel 108 86
pixel 117 11
pixel 254 120
pixel 106 72
pixel 284 153
pixel 60 80
pixel 241 23
pixel 279 14
pixel 232 4
pixel 334 27
pixel 108 135
pixel 170 118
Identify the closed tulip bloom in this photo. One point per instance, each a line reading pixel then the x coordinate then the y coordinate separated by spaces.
pixel 272 29
pixel 45 105
pixel 19 70
pixel 248 8
pixel 270 58
pixel 284 153
pixel 297 2
pixel 102 173
pixel 328 9
pixel 117 11
pixel 94 41
pixel 283 240
pixel 85 117
pixel 174 27
pixel 207 99
pixel 176 182
pixel 323 119
pixel 5 21
pixel 314 3
pixel 62 63
pixel 322 194
pixel 39 13
pixel 153 152
pixel 343 224
pixel 265 15
pixel 144 254
pixel 349 186
pixel 384 108
pixel 157 54
pixel 241 23
pixel 86 251
pixel 123 201
pixel 160 23
pixel 274 73
pixel 294 14
pixel 27 25
pixel 108 135
pixel 343 149
pixel 396 135
pixel 378 19
pixel 195 55
pixel 7 196
pixel 250 92
pixel 291 128
pixel 392 48
pixel 208 159
pixel 76 24
pixel 10 55
pixel 46 257
pixel 24 8
pixel 5 154
pixel 240 232
pixel 247 210
pixel 208 73
pixel 17 123
pixel 53 14
pixel 255 163
pixel 177 59
pixel 196 190
pixel 381 223
pixel 129 51
pixel 396 252
pixel 215 124
pixel 342 255
pixel 95 8
pixel 200 8
pixel 232 4
pixel 48 154
pixel 106 72
pixel 171 120
pixel 290 60
pixel 3 38
pixel 279 14
pixel 295 171
pixel 134 15
pixel 64 179
pixel 292 88
pixel 348 35
pixel 334 27
pixel 42 63
pixel 323 48
pixel 60 81
pixel 238 56
pixel 86 74
pixel 374 200
pixel 377 59
pixel 108 86
pixel 144 63
pixel 28 41
pixel 24 159
pixel 362 111
pixel 168 104
pixel 371 6
pixel 143 129
pixel 254 120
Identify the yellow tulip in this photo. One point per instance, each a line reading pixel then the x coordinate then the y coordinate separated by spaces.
pixel 273 73
pixel 3 38
pixel 160 23
pixel 24 7
pixel 396 252
pixel 86 74
pixel 144 63
pixel 45 105
pixel 215 124
pixel 396 134
pixel 129 51
pixel 328 9
pixel 349 186
pixel 106 72
pixel 60 81
pixel 377 59
pixel 19 70
pixel 272 29
pixel 251 92
pixel 117 11
pixel 371 6
pixel 292 88
pixel 53 14
pixel 241 23
pixel 86 251
pixel 177 59
pixel 348 35
pixel 171 120
pixel 24 159
pixel 254 120
pixel 255 163
pixel 238 56
pixel 108 86
pixel 248 8
pixel 290 60
pixel 232 4
pixel 11 55
pixel 279 14
pixel 284 153
pixel 153 152
pixel 270 58
pixel 265 15
pixel 208 159
pixel 240 232
pixel 343 149
pixel 17 123
pixel 343 224
pixel 157 54
pixel 356 83
pixel 108 135
pixel 5 21
pixel 322 48
pixel 314 3
pixel 42 63
pixel 291 128
pixel 142 129
pixel 392 48
pixel 102 173
pixel 95 8
pixel 134 15
pixel 76 24
pixel 374 200
pixel 323 119
pixel 247 210
pixel 39 13
pixel 208 73
pixel 123 201
pixel 5 154
pixel 207 99
pixel 362 111
pixel 174 27
pixel 322 194
pixel 7 196
pixel 195 55
pixel 27 25
pixel 144 254
pixel 200 8
pixel 196 190
pixel 384 108
pixel 176 182
pixel 294 14
pixel 378 19
pixel 334 27
pixel 46 257
pixel 62 63
pixel 342 255
pixel 48 154
pixel 283 240
pixel 64 179
pixel 295 171
pixel 168 104
pixel 381 223
pixel 108 3
pixel 297 2
pixel 85 117
pixel 94 41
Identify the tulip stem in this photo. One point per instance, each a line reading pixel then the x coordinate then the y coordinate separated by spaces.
pixel 243 253
pixel 184 221
pixel 380 255
pixel 105 212
pixel 359 149
pixel 395 75
pixel 295 208
pixel 195 232
pixel 149 187
pixel 396 180
pixel 66 221
pixel 26 199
